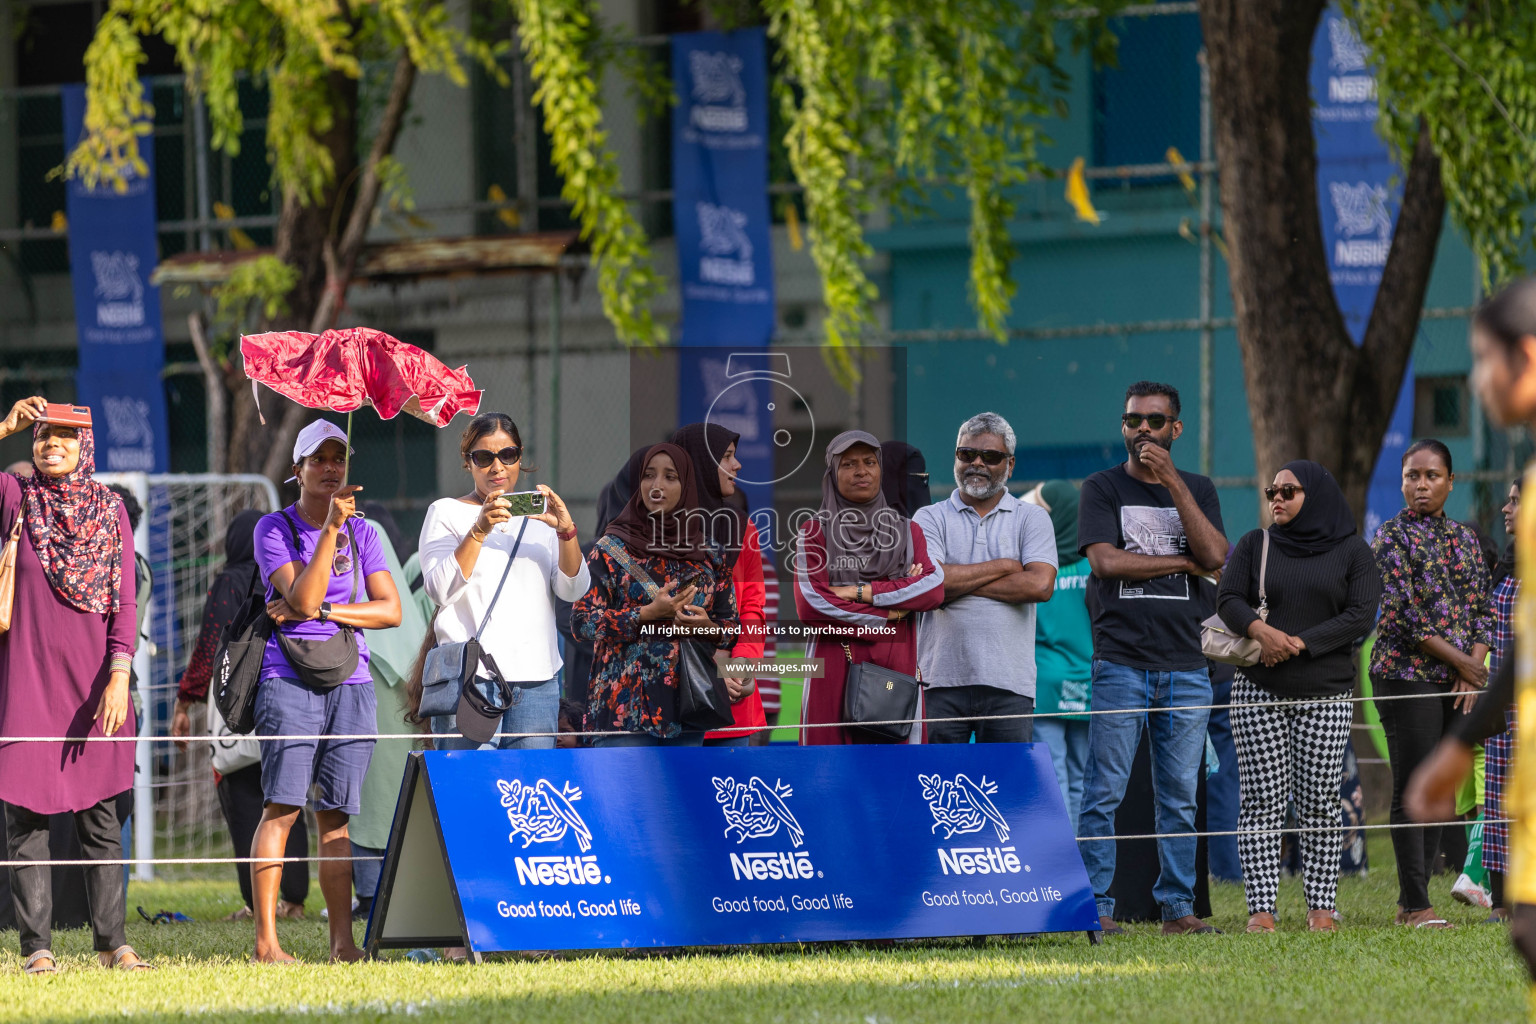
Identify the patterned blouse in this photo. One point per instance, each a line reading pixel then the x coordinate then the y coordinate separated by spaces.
pixel 634 677
pixel 1504 596
pixel 1434 583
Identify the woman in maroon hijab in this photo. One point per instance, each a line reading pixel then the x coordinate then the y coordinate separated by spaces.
pixel 64 672
pixel 654 567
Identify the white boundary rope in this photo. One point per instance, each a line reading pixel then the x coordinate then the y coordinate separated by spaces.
pixel 306 737
pixel 1080 839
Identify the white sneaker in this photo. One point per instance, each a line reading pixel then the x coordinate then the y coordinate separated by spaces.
pixel 1469 892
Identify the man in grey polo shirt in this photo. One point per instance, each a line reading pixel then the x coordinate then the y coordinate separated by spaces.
pixel 977 651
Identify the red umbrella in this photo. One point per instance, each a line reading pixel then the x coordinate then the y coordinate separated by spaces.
pixel 343 370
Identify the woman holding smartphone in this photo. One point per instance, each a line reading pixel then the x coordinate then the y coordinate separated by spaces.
pixel 653 570
pixel 466 545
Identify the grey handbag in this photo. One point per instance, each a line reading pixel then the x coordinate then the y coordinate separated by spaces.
pixel 449 667
pixel 1221 644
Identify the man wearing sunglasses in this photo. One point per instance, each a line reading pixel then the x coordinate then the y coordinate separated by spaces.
pixel 977 651
pixel 1150 531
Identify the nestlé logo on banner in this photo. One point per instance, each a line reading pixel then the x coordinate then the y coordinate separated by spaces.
pixel 540 813
pixel 756 810
pixel 1361 211
pixel 727 251
pixel 119 289
pixel 962 807
pixel 719 98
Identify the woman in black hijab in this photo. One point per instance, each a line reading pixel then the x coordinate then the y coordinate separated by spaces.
pixel 1290 714
pixel 239 785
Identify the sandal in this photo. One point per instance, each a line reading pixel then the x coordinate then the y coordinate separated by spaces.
pixel 118 955
pixel 243 914
pixel 34 963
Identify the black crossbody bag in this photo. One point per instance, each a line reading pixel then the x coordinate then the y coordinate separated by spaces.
pixel 324 664
pixel 875 694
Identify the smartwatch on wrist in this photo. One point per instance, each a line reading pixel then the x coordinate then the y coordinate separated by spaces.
pixel 325 611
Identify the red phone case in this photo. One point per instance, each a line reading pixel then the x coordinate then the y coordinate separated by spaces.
pixel 67 415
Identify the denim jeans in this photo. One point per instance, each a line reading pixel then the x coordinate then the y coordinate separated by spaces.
pixel 534 709
pixel 1177 741
pixel 645 739
pixel 1067 739
pixel 365 873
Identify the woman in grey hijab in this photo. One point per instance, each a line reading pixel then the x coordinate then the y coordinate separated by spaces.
pixel 861 569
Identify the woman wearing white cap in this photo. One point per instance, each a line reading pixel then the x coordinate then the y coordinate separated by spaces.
pixel 326 581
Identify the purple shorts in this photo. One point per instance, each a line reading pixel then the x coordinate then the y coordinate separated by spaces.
pixel 286 707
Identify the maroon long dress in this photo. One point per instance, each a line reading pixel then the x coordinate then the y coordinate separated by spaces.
pixel 54 665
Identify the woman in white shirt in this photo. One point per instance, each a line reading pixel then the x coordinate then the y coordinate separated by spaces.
pixel 465 544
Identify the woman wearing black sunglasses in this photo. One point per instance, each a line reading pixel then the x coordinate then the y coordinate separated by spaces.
pixel 466 543
pixel 1290 714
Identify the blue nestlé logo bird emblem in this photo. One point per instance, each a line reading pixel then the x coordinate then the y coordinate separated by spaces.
pixel 543 814
pixel 755 810
pixel 963 806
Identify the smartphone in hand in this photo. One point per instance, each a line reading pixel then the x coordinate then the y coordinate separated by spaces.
pixel 67 415
pixel 524 503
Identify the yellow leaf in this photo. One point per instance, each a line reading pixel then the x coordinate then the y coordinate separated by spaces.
pixel 1077 193
pixel 1176 158
pixel 240 240
pixel 792 222
pixel 511 218
pixel 60 223
pixel 223 211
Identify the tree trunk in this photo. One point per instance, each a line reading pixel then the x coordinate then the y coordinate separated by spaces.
pixel 324 241
pixel 1311 393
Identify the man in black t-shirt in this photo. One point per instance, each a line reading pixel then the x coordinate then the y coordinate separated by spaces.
pixel 1150 531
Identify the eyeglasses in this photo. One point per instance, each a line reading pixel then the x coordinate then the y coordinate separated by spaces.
pixel 483 457
pixel 341 561
pixel 1157 421
pixel 1286 491
pixel 990 456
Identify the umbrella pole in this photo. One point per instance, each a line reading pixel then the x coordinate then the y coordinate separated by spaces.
pixel 346 468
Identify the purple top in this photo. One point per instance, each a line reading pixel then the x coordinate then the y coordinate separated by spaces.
pixel 54 665
pixel 274 549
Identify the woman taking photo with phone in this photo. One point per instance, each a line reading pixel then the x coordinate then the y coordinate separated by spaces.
pixel 64 672
pixel 467 547
pixel 652 570
pixel 1433 639
pixel 713 451
pixel 326 581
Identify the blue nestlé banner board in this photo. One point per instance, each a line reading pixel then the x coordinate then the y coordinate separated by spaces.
pixel 724 243
pixel 593 849
pixel 113 250
pixel 1359 197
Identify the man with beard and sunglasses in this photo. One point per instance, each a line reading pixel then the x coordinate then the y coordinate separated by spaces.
pixel 1149 530
pixel 977 651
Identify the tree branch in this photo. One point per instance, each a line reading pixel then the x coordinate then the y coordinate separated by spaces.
pixel 1388 341
pixel 346 251
pixel 213 387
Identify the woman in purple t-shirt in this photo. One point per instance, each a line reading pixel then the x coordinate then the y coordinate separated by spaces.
pixel 324 570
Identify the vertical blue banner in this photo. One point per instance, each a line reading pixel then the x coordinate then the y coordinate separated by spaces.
pixel 1358 201
pixel 724 245
pixel 112 252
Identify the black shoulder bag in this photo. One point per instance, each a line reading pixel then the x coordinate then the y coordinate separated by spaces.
pixel 237 665
pixel 703 702
pixel 874 694
pixel 324 664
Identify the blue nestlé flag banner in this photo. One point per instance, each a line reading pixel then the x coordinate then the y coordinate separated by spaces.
pixel 1359 201
pixel 724 245
pixel 112 252
pixel 591 849
pixel 720 187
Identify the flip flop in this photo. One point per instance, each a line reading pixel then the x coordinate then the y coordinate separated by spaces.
pixel 119 954
pixel 33 966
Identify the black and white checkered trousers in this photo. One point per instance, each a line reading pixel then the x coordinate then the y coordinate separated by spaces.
pixel 1294 751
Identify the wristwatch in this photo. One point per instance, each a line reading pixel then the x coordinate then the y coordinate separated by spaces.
pixel 325 611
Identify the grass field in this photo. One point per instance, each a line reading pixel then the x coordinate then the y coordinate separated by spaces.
pixel 1371 971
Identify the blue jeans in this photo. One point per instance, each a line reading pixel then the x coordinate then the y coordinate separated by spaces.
pixel 365 873
pixel 534 709
pixel 1178 741
pixel 1067 739
pixel 645 739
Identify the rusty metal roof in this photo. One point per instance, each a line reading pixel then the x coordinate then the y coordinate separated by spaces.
pixel 409 259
